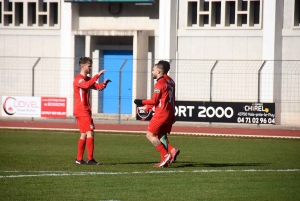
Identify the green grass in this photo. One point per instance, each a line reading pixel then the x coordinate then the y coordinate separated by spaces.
pixel 207 168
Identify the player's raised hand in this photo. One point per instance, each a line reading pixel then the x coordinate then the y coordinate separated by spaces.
pixel 101 72
pixel 105 82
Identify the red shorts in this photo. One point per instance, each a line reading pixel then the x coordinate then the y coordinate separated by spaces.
pixel 157 127
pixel 85 124
pixel 169 127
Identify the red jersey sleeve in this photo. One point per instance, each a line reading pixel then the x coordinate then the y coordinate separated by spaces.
pixel 155 97
pixel 86 84
pixel 98 87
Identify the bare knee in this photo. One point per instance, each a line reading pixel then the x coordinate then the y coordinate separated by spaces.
pixel 152 138
pixel 83 136
pixel 90 134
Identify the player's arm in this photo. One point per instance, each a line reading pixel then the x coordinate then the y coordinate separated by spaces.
pixel 149 107
pixel 87 84
pixel 155 97
pixel 101 86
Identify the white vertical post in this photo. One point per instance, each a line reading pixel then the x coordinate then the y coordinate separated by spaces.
pixel 87 46
pixel 272 50
pixel 95 93
pixel 167 29
pixel 149 77
pixel 67 53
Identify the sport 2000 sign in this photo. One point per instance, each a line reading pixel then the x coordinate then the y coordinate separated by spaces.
pixel 228 112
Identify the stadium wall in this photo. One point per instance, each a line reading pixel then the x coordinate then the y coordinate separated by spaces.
pixel 83 29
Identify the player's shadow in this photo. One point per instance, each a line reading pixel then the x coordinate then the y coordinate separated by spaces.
pixel 135 163
pixel 193 164
pixel 216 165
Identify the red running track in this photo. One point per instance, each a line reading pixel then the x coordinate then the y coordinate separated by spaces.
pixel 208 131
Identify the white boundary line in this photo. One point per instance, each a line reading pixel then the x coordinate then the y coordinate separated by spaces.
pixel 68 173
pixel 177 133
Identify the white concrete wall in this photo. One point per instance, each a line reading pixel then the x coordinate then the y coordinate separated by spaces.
pixel 217 44
pixel 131 17
pixel 280 40
pixel 32 44
pixel 220 47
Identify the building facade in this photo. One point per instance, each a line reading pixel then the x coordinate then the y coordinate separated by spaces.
pixel 192 34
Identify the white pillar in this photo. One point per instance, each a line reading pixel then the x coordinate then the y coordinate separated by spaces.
pixel 95 93
pixel 87 46
pixel 272 29
pixel 67 54
pixel 67 44
pixel 272 50
pixel 167 29
pixel 150 81
pixel 140 64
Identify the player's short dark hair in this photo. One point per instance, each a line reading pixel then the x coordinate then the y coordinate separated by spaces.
pixel 85 60
pixel 160 67
pixel 165 64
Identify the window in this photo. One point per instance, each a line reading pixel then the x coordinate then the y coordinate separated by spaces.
pixel 0 12
pixel 215 13
pixel 18 14
pixel 30 14
pixel 296 14
pixel 231 14
pixel 192 13
pixel 254 13
pixel 42 20
pixel 53 17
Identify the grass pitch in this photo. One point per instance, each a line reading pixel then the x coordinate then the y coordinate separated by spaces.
pixel 39 165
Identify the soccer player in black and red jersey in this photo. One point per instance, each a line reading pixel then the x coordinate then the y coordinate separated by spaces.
pixel 164 112
pixel 82 109
pixel 163 136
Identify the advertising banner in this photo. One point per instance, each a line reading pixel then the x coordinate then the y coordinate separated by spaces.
pixel 54 107
pixel 28 106
pixel 21 106
pixel 225 112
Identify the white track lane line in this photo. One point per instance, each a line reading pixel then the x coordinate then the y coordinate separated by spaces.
pixel 177 133
pixel 68 173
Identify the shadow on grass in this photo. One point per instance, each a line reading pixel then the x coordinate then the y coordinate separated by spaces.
pixel 134 163
pixel 215 165
pixel 193 164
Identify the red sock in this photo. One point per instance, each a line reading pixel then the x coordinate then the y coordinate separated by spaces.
pixel 90 148
pixel 162 150
pixel 170 147
pixel 80 149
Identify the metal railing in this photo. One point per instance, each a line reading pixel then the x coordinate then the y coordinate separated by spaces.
pixel 196 80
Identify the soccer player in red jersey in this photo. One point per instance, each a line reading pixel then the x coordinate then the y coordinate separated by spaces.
pixel 82 109
pixel 164 111
pixel 163 136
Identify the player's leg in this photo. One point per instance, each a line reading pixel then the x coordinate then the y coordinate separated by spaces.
pixel 163 138
pixel 166 128
pixel 173 150
pixel 90 144
pixel 81 142
pixel 153 129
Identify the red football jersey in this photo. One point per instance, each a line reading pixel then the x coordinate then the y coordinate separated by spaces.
pixel 171 84
pixel 162 100
pixel 172 87
pixel 82 86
